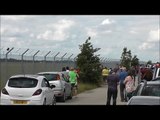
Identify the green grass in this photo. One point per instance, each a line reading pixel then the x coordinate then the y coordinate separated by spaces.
pixel 82 87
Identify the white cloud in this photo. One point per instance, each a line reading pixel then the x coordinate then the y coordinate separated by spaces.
pixel 154 36
pixel 46 35
pixel 63 24
pixel 107 21
pixel 145 45
pixel 151 41
pixel 107 31
pixel 11 30
pixel 57 31
pixel 3 30
pixel 91 32
pixel 132 32
pixel 32 35
pixel 15 17
pixel 12 39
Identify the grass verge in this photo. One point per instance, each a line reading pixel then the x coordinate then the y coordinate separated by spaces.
pixel 82 87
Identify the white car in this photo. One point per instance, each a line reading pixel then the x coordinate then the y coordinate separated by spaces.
pixel 60 80
pixel 28 90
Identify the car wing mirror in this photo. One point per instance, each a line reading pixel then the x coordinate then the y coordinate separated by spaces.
pixel 52 86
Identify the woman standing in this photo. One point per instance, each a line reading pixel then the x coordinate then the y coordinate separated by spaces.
pixel 129 86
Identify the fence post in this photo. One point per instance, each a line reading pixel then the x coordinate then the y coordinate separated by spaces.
pixel 62 60
pixel 33 60
pixel 7 61
pixel 75 65
pixel 22 61
pixel 55 59
pixel 45 58
pixel 69 59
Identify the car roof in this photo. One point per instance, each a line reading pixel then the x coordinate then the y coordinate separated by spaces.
pixel 156 79
pixel 26 76
pixel 53 72
pixel 151 82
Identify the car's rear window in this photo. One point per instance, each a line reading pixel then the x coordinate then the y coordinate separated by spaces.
pixel 51 77
pixel 22 82
pixel 151 90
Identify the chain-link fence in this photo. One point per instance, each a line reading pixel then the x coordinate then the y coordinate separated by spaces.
pixel 26 61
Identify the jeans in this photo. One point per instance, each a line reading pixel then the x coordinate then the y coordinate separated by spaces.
pixel 122 88
pixel 112 93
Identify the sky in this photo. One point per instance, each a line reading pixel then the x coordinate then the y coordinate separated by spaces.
pixel 64 34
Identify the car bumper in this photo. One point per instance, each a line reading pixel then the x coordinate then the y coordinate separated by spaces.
pixel 58 93
pixel 17 101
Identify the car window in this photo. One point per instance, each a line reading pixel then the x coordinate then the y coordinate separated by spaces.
pixel 139 89
pixel 45 83
pixel 159 72
pixel 22 82
pixel 51 77
pixel 151 90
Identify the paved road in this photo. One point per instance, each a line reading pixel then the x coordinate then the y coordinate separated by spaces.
pixel 93 97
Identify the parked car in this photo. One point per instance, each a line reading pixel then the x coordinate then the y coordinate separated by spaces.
pixel 156 72
pixel 60 80
pixel 27 90
pixel 156 79
pixel 148 88
pixel 147 92
pixel 144 100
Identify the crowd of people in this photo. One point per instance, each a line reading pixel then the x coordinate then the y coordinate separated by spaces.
pixel 73 75
pixel 112 78
pixel 122 77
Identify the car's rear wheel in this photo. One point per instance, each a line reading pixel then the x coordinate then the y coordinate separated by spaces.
pixel 70 96
pixel 44 102
pixel 54 101
pixel 63 98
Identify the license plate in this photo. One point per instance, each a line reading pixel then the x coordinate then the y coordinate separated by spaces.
pixel 19 102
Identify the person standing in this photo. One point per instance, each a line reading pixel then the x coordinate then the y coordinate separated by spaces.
pixel 122 75
pixel 73 80
pixel 129 85
pixel 105 73
pixel 112 82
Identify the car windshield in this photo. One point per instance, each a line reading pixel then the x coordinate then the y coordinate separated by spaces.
pixel 51 77
pixel 22 82
pixel 151 90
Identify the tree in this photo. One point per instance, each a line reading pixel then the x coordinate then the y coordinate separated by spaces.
pixel 89 63
pixel 126 58
pixel 149 62
pixel 135 61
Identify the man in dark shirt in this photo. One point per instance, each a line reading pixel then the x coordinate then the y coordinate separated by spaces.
pixel 112 81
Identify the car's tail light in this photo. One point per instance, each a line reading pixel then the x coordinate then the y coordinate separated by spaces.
pixel 4 91
pixel 37 92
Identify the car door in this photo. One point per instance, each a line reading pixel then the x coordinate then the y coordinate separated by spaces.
pixel 47 91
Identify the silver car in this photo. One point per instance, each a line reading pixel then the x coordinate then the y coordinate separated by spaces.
pixel 144 100
pixel 60 80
